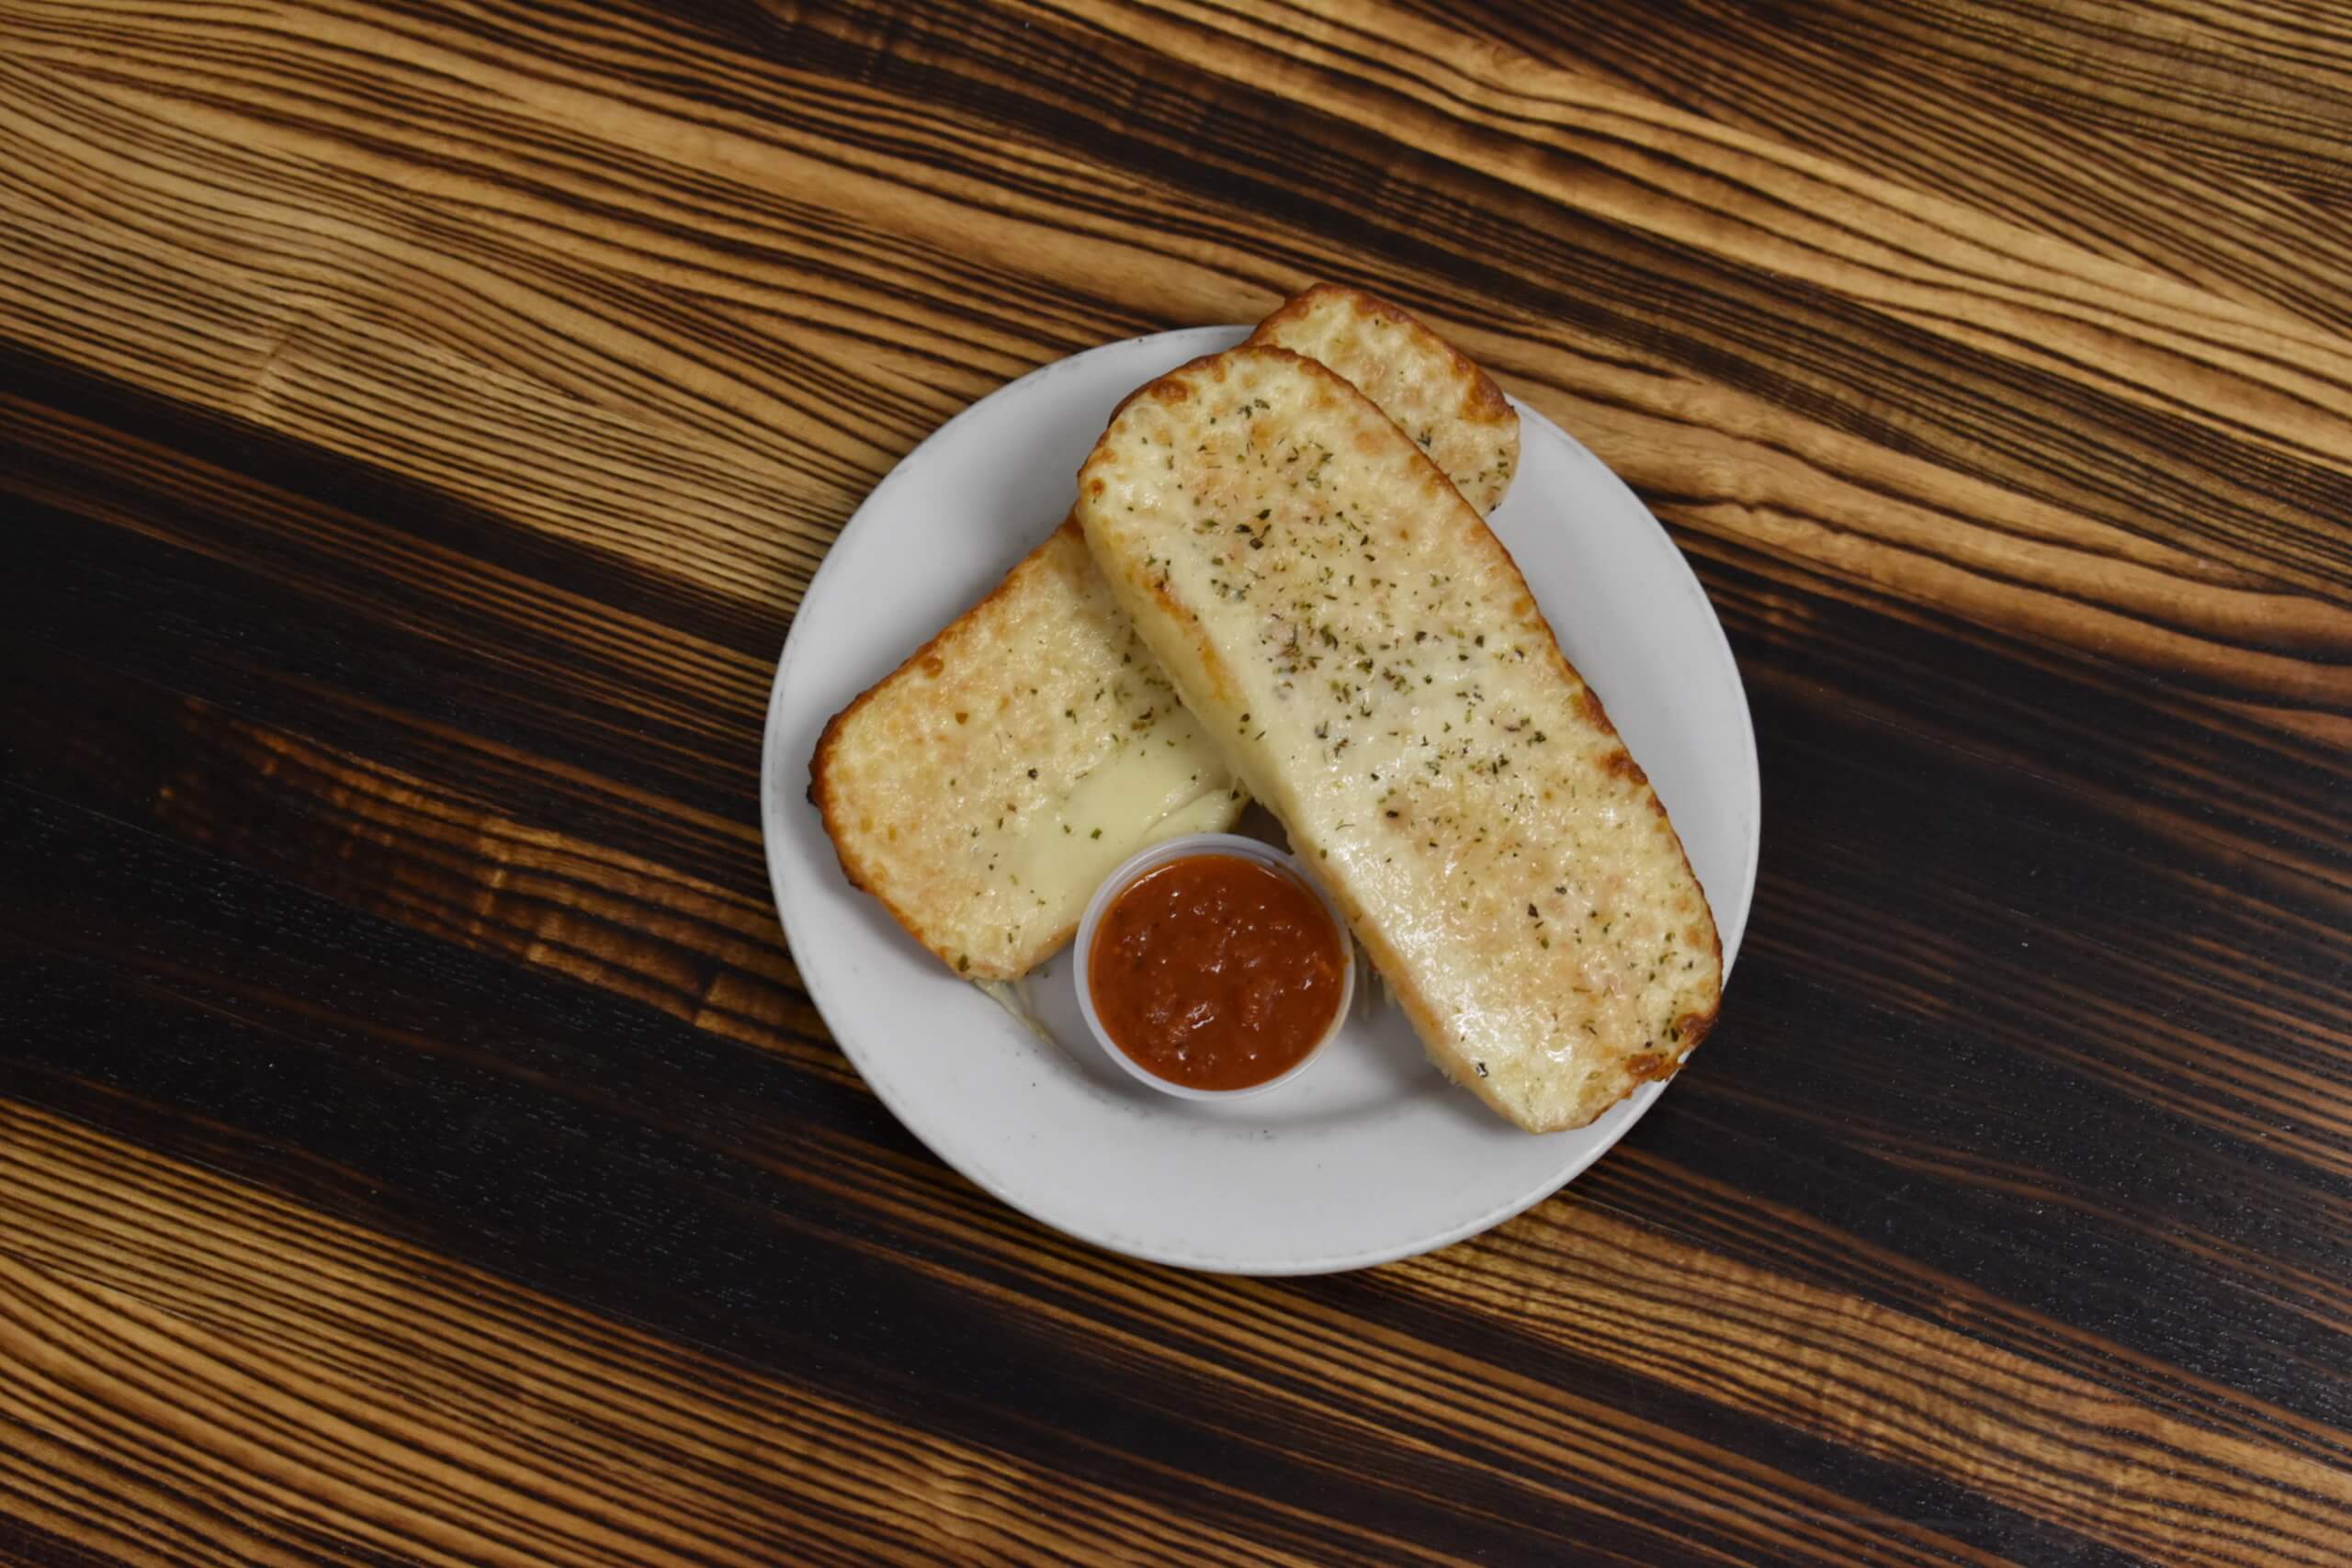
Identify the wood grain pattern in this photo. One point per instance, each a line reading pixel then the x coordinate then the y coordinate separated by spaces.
pixel 418 423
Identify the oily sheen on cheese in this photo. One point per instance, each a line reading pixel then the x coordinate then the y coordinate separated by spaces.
pixel 1367 658
pixel 983 789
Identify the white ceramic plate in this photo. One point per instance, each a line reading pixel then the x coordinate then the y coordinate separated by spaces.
pixel 1370 1156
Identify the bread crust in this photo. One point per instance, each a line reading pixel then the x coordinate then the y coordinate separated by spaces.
pixel 1482 397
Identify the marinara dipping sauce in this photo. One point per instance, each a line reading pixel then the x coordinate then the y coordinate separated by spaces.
pixel 1216 972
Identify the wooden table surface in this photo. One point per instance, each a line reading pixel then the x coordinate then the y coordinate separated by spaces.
pixel 417 424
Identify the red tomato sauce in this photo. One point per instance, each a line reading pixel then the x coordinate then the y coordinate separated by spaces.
pixel 1216 972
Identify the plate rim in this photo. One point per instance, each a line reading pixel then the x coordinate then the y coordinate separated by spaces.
pixel 775 798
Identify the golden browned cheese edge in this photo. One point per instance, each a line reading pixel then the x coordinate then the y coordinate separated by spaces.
pixel 1174 387
pixel 1485 398
pixel 823 795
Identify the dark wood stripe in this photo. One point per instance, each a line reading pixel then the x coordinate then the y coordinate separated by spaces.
pixel 346 672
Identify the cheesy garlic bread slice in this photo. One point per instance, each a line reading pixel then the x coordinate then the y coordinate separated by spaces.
pixel 1367 658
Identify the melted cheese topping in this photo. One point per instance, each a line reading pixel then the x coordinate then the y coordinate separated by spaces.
pixel 1137 796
